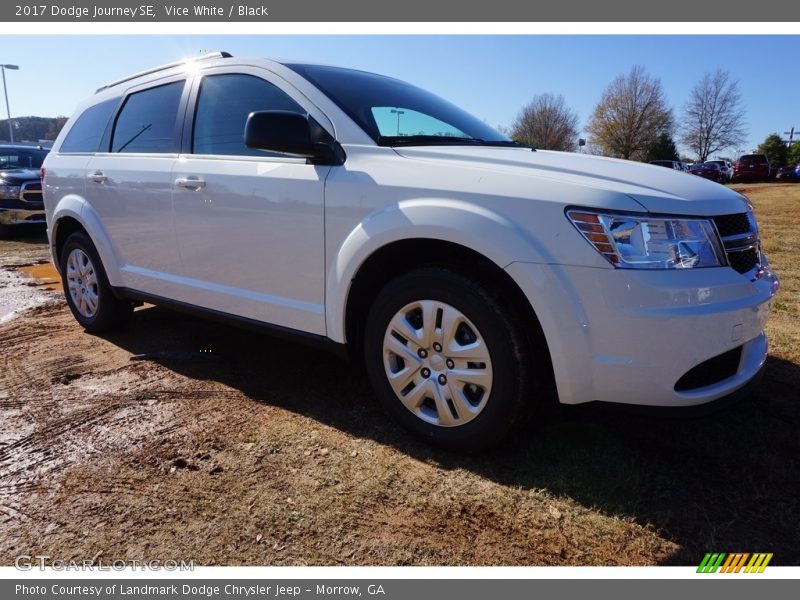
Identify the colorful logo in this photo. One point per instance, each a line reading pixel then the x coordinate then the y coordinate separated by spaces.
pixel 734 563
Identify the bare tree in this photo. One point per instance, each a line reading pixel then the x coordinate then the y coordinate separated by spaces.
pixel 631 115
pixel 713 115
pixel 547 123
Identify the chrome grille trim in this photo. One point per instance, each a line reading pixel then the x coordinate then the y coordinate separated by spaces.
pixel 742 247
pixel 31 191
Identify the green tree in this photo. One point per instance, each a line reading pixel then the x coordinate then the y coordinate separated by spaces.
pixel 775 149
pixel 631 115
pixel 793 154
pixel 663 149
pixel 32 129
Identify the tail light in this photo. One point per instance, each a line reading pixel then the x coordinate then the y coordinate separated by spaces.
pixel 41 174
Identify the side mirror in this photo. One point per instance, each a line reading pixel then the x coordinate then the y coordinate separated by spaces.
pixel 280 131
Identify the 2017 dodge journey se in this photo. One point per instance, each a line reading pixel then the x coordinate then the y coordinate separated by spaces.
pixel 471 273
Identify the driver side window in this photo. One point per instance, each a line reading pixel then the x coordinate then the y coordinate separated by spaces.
pixel 223 104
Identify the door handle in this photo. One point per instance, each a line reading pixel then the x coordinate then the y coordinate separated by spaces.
pixel 97 177
pixel 190 183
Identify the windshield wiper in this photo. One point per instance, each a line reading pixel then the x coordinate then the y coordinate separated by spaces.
pixel 424 140
pixel 508 144
pixel 444 140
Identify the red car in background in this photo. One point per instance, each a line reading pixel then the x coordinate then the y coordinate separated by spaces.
pixel 751 167
pixel 709 170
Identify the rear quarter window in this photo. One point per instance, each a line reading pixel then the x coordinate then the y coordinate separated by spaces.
pixel 87 132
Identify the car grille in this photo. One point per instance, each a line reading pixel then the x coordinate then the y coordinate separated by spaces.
pixel 739 235
pixel 31 192
pixel 732 224
pixel 744 261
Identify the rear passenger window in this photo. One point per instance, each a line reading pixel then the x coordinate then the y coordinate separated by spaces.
pixel 222 109
pixel 147 121
pixel 88 130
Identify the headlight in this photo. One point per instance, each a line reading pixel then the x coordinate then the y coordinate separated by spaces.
pixel 9 192
pixel 643 242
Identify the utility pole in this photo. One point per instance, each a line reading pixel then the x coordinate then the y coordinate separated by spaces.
pixel 791 136
pixel 398 112
pixel 5 91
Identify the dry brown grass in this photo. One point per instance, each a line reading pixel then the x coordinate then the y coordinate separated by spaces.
pixel 261 452
pixel 778 210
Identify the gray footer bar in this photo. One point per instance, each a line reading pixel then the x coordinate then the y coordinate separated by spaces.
pixel 395 589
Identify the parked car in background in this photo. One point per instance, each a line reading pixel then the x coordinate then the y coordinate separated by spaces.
pixel 20 187
pixel 709 170
pixel 473 275
pixel 724 166
pixel 797 172
pixel 788 173
pixel 751 167
pixel 669 164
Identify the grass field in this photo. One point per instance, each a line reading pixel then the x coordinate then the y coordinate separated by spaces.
pixel 254 451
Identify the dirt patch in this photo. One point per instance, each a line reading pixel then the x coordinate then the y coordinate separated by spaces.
pixel 230 448
pixel 180 438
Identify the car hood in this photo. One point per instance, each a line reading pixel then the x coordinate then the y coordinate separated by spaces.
pixel 18 175
pixel 655 188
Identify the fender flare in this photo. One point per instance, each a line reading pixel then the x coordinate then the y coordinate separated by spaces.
pixel 77 208
pixel 475 227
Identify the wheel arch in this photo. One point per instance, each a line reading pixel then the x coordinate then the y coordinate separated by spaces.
pixel 74 214
pixel 401 256
pixel 442 227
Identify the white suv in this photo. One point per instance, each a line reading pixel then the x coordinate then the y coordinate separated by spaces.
pixel 473 274
pixel 725 166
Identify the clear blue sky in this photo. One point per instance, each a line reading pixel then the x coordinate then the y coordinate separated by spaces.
pixel 490 76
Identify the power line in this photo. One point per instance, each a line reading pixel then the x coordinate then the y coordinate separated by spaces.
pixel 791 136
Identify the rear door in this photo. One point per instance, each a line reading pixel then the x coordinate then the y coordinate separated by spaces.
pixel 250 224
pixel 129 184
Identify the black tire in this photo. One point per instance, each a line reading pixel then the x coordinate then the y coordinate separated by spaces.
pixel 110 312
pixel 508 405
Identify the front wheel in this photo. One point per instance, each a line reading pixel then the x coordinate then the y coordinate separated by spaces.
pixel 449 360
pixel 86 287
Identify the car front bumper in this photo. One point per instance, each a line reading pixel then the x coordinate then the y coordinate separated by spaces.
pixel 21 216
pixel 750 176
pixel 630 337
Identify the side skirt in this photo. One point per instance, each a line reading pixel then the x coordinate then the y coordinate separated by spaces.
pixel 277 331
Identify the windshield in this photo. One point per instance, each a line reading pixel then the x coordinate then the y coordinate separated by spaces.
pixel 394 113
pixel 20 158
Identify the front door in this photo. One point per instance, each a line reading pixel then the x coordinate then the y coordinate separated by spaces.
pixel 249 224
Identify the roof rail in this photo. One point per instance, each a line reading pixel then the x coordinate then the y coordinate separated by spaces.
pixel 176 63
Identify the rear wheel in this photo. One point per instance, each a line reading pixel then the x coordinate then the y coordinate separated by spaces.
pixel 449 360
pixel 86 287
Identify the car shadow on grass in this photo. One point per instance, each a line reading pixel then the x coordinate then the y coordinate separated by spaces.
pixel 728 481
